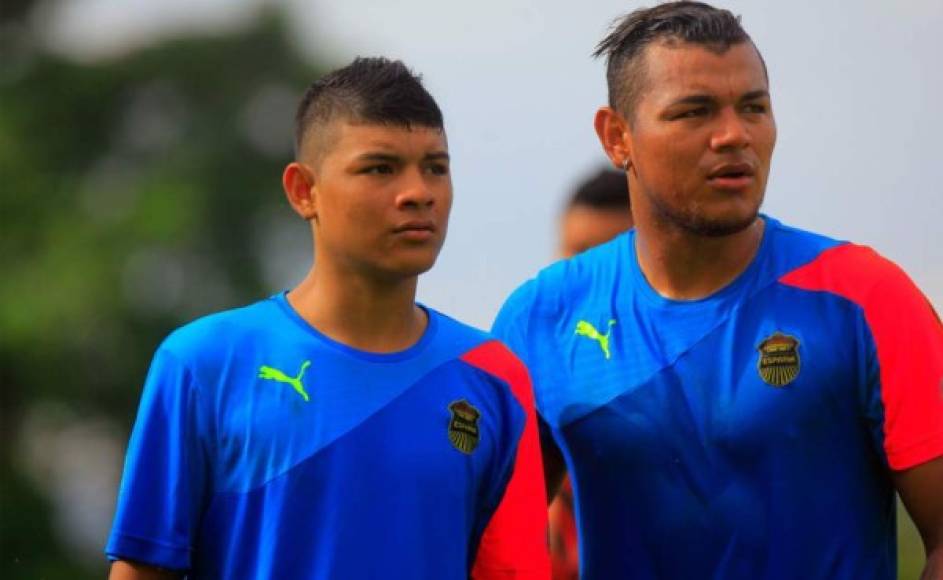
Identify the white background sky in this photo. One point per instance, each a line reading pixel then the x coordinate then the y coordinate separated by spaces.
pixel 857 90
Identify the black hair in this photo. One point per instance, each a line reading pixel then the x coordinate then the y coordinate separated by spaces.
pixel 369 90
pixel 690 22
pixel 606 190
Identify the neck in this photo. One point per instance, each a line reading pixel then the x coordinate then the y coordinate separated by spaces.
pixel 683 266
pixel 367 314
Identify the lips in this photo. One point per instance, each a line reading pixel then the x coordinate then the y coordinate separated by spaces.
pixel 731 176
pixel 416 230
pixel 417 225
pixel 731 170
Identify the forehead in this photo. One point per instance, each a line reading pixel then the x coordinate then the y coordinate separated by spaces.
pixel 675 70
pixel 349 138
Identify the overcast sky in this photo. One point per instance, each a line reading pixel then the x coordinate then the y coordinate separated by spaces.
pixel 856 88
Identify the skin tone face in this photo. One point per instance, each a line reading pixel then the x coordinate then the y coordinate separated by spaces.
pixel 378 198
pixel 700 140
pixel 583 227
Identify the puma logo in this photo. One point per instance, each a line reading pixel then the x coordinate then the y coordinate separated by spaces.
pixel 586 329
pixel 272 374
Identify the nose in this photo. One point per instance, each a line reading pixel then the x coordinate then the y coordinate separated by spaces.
pixel 731 131
pixel 415 192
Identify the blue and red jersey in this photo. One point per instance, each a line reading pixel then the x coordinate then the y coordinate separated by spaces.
pixel 264 449
pixel 748 434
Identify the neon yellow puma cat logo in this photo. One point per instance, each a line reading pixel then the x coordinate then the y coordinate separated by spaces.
pixel 272 374
pixel 586 329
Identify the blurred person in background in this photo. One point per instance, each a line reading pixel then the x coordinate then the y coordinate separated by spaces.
pixel 340 430
pixel 732 397
pixel 597 211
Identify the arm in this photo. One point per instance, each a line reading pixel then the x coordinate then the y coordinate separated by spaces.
pixel 921 489
pixel 124 570
pixel 514 544
pixel 905 392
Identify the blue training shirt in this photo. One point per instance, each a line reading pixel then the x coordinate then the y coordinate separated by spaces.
pixel 745 435
pixel 264 449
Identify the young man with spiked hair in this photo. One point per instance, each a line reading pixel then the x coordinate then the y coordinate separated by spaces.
pixel 340 429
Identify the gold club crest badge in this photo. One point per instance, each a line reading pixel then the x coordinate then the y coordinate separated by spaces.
pixel 463 426
pixel 779 363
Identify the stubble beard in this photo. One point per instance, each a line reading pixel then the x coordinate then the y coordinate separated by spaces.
pixel 692 220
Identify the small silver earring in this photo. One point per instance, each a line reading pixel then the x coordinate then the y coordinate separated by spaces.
pixel 625 165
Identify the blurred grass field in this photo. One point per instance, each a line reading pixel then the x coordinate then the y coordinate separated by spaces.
pixel 910 558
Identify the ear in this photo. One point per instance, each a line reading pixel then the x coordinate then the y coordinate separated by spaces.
pixel 298 183
pixel 613 133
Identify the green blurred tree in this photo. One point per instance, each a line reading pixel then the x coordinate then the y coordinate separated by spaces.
pixel 133 198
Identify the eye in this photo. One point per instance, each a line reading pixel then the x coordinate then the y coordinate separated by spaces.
pixel 379 169
pixel 438 169
pixel 757 108
pixel 692 113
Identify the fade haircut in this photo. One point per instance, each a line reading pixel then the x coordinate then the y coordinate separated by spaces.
pixel 672 22
pixel 368 91
pixel 605 190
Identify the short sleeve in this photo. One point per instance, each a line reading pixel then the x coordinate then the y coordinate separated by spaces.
pixel 514 543
pixel 908 346
pixel 909 349
pixel 165 473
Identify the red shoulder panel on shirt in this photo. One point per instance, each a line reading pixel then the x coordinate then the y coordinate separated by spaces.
pixel 514 545
pixel 908 338
pixel 497 360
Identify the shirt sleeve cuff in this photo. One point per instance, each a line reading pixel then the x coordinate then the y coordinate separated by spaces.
pixel 147 551
pixel 913 455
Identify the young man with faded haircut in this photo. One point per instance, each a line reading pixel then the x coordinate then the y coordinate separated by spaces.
pixel 733 397
pixel 340 430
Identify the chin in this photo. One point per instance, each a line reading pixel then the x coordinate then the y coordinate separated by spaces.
pixel 711 217
pixel 718 228
pixel 410 268
pixel 723 221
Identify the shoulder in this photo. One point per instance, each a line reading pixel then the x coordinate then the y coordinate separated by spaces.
pixel 788 248
pixel 220 332
pixel 555 288
pixel 450 330
pixel 813 261
pixel 476 347
pixel 854 271
pixel 481 350
pixel 497 361
pixel 791 236
pixel 879 287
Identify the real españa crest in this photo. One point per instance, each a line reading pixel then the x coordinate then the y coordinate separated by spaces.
pixel 779 362
pixel 463 426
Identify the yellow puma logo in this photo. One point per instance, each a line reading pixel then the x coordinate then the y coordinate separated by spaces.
pixel 272 374
pixel 586 329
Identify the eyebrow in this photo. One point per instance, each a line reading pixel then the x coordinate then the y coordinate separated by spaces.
pixel 753 95
pixel 707 99
pixel 391 158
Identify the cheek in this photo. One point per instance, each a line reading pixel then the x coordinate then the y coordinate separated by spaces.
pixel 670 154
pixel 771 141
pixel 764 139
pixel 347 217
pixel 447 204
pixel 668 167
